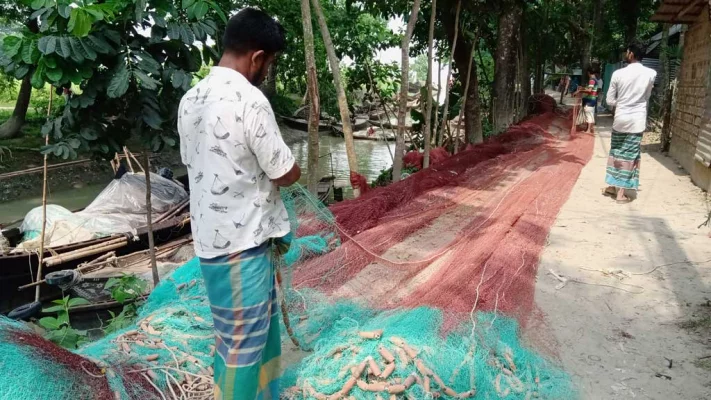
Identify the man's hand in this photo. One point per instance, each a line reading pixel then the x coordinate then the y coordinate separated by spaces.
pixel 290 177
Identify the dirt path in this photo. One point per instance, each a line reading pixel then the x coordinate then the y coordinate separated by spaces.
pixel 617 344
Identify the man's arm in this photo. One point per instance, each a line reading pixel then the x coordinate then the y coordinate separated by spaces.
pixel 289 178
pixel 263 138
pixel 611 98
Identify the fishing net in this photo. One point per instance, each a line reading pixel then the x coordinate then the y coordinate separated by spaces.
pixel 420 289
pixel 440 266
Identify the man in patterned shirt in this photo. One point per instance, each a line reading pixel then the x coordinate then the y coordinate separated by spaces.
pixel 237 160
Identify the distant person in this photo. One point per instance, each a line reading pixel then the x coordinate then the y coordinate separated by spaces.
pixel 237 160
pixel 600 87
pixel 629 91
pixel 589 103
pixel 563 86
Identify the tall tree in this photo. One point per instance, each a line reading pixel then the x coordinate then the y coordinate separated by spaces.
pixel 16 13
pixel 429 99
pixel 404 86
pixel 505 73
pixel 340 92
pixel 313 96
pixel 445 120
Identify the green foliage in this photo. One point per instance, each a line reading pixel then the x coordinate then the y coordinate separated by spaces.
pixel 283 105
pixel 58 329
pixel 127 288
pixel 129 83
pixel 386 176
pixel 419 67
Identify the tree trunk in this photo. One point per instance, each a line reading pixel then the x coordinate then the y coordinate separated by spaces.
pixel 524 78
pixel 630 11
pixel 665 94
pixel 666 124
pixel 470 103
pixel 149 219
pixel 12 127
pixel 313 95
pixel 664 61
pixel 404 85
pixel 445 119
pixel 342 100
pixel 435 123
pixel 428 107
pixel 505 66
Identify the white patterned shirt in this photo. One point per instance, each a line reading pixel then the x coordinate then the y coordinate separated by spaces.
pixel 231 144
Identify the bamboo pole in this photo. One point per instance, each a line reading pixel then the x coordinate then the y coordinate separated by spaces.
pixel 44 198
pixel 41 169
pixel 128 159
pixel 136 160
pixel 404 86
pixel 445 122
pixel 149 222
pixel 464 99
pixel 340 92
pixel 428 105
pixel 86 251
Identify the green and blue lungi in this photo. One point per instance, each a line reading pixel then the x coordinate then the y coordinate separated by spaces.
pixel 623 163
pixel 242 293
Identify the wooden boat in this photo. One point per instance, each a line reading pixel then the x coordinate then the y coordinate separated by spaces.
pixel 378 134
pixel 21 268
pixel 303 125
pixel 359 125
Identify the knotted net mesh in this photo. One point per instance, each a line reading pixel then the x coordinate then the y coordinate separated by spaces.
pixel 421 289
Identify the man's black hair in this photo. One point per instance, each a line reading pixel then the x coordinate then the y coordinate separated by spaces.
pixel 253 30
pixel 636 49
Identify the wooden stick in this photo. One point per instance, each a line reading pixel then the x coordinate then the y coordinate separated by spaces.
pixel 285 313
pixel 87 251
pixel 128 159
pixel 149 222
pixel 44 199
pixel 136 160
pixel 92 264
pixel 41 169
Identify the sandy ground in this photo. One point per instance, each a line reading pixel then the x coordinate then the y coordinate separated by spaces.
pixel 630 344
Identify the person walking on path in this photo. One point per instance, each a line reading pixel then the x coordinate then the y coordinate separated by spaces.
pixel 589 100
pixel 237 160
pixel 629 91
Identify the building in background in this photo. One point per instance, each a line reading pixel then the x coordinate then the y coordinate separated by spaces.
pixel 691 116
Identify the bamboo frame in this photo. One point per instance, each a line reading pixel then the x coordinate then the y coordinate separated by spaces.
pixel 44 198
pixel 87 251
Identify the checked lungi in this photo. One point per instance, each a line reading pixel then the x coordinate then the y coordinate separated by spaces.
pixel 242 293
pixel 624 161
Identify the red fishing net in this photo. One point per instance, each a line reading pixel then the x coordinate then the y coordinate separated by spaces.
pixel 465 233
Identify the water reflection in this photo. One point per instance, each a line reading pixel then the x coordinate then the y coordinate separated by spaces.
pixel 373 156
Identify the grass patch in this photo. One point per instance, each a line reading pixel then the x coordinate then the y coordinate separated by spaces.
pixel 696 324
pixel 30 136
pixel 704 363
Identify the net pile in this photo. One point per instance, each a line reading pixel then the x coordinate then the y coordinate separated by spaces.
pixel 417 290
pixel 444 260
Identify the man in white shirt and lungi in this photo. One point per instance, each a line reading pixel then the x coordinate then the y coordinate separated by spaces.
pixel 237 160
pixel 629 91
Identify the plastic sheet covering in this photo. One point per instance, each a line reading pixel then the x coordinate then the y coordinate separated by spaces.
pixel 119 208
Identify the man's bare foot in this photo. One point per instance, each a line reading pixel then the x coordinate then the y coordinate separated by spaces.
pixel 621 198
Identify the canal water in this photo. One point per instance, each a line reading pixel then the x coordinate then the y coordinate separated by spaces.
pixel 373 156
